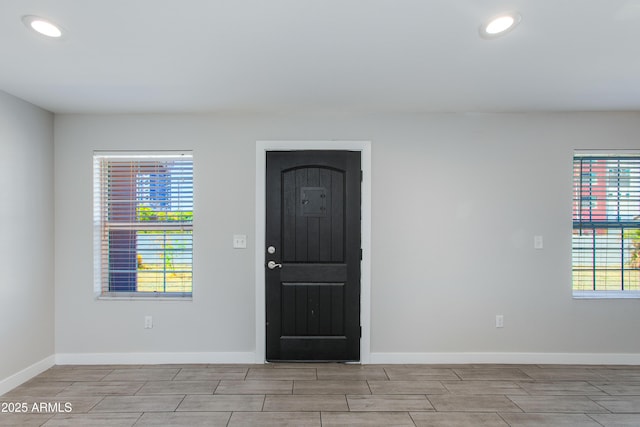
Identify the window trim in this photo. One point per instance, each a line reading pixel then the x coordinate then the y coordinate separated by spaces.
pixel 594 224
pixel 606 294
pixel 100 289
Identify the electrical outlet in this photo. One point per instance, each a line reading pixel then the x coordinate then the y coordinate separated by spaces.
pixel 148 322
pixel 538 242
pixel 499 321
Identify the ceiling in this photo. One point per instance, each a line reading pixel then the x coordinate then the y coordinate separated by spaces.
pixel 146 56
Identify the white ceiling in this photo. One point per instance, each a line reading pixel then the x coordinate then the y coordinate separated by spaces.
pixel 322 56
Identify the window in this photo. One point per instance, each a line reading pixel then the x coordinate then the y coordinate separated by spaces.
pixel 606 225
pixel 143 223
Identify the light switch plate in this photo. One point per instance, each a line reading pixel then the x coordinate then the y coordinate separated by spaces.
pixel 239 241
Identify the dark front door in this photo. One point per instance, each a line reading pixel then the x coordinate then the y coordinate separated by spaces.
pixel 313 257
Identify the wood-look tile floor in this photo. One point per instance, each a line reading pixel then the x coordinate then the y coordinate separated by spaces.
pixel 327 395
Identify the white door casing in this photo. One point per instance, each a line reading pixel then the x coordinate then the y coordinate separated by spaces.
pixel 365 281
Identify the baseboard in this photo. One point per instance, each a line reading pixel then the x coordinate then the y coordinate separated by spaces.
pixel 152 358
pixel 26 374
pixel 375 358
pixel 508 358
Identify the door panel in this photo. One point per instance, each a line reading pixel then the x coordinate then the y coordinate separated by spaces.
pixel 313 223
pixel 313 211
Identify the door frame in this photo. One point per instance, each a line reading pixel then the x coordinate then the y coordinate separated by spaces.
pixel 262 147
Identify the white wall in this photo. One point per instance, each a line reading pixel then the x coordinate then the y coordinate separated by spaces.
pixel 26 252
pixel 457 199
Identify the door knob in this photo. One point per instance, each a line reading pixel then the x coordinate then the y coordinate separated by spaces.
pixel 272 264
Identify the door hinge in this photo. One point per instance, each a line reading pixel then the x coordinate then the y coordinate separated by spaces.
pixel 360 254
pixel 360 331
pixel 361 176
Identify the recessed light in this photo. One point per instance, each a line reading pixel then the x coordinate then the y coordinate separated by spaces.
pixel 500 25
pixel 42 26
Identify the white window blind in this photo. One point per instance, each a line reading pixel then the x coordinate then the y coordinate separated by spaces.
pixel 606 225
pixel 143 223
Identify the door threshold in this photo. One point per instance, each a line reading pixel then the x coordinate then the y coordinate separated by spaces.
pixel 326 362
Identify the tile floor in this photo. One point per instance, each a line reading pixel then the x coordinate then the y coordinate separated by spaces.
pixel 327 395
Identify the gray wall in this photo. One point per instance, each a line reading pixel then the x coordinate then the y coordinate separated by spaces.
pixel 26 252
pixel 456 201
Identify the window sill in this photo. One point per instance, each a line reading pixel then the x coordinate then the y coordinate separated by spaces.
pixel 606 295
pixel 134 296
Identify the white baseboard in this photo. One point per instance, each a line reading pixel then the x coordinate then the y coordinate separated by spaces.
pixel 26 374
pixel 375 358
pixel 152 358
pixel 508 358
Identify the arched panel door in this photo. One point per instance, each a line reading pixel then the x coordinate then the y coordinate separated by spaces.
pixel 313 255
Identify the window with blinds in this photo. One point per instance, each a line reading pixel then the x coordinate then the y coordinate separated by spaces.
pixel 143 223
pixel 606 225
